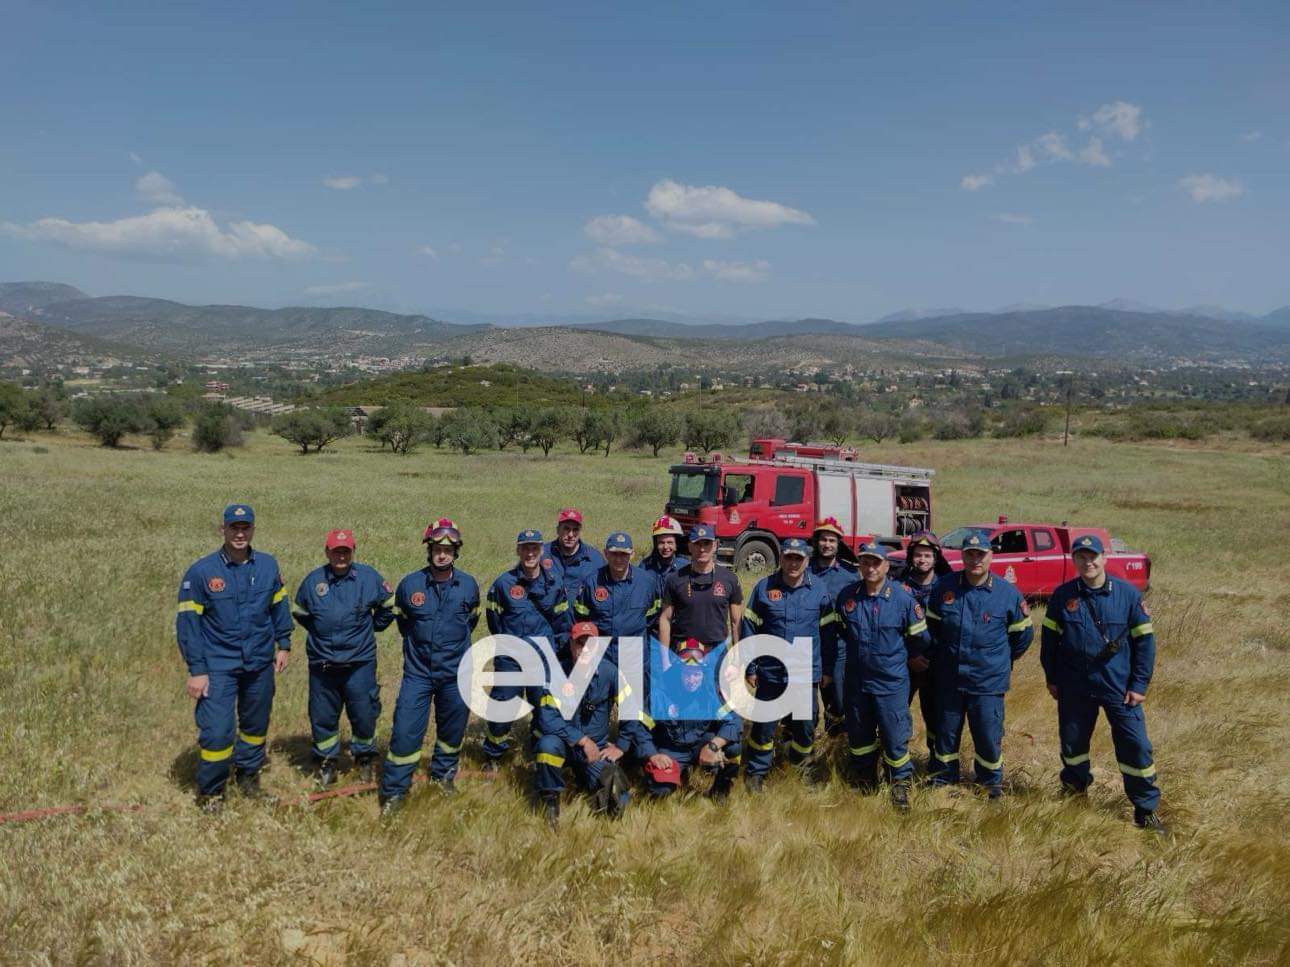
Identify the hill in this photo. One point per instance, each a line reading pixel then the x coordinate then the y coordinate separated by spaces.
pixel 26 344
pixel 23 298
pixel 460 386
pixel 658 328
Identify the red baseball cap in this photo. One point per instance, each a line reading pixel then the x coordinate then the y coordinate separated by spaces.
pixel 569 514
pixel 669 776
pixel 584 629
pixel 339 538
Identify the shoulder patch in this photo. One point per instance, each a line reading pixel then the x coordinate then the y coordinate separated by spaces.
pixel 548 563
pixel 774 594
pixel 188 585
pixel 321 588
pixel 215 585
pixel 849 605
pixel 947 597
pixel 1072 604
pixel 516 592
pixel 601 594
pixel 418 598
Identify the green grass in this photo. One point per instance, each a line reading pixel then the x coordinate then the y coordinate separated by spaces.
pixel 92 710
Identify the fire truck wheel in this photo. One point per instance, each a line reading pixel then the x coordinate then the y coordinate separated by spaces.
pixel 755 555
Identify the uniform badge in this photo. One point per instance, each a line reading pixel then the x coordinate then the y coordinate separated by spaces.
pixel 321 588
pixel 718 589
pixel 985 616
pixel 548 563
pixel 849 606
pixel 774 594
pixel 601 594
pixel 947 597
pixel 215 585
pixel 385 586
pixel 1072 604
pixel 516 592
pixel 1010 575
pixel 418 598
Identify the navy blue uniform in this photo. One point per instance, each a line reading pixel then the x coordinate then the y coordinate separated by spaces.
pixel 232 618
pixel 1094 669
pixel 779 609
pixel 978 633
pixel 525 608
pixel 681 739
pixel 920 683
pixel 341 615
pixel 436 619
pixel 835 576
pixel 881 632
pixel 619 609
pixel 661 568
pixel 572 572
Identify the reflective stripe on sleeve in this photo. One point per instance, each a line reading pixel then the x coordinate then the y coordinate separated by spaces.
pixel 192 606
pixel 1140 630
pixel 1051 625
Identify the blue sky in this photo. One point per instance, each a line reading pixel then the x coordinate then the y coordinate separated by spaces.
pixel 744 160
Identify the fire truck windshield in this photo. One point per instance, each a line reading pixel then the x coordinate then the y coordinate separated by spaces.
pixel 692 489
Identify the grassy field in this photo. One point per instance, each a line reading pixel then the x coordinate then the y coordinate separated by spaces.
pixel 92 710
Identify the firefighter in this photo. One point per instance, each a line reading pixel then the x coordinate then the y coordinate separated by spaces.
pixel 827 566
pixel 701 600
pixel 1099 651
pixel 437 609
pixel 529 602
pixel 234 630
pixel 582 738
pixel 573 561
pixel 980 626
pixel 885 635
pixel 669 540
pixel 789 604
pixel 620 599
pixel 690 729
pixel 341 606
pixel 924 563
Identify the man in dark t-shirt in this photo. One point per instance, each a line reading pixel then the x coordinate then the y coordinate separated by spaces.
pixel 701 601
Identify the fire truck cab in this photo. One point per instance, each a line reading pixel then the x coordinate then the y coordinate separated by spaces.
pixel 754 504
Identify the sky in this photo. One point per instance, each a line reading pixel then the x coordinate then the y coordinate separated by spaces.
pixel 740 160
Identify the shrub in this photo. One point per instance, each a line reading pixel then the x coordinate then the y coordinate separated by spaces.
pixel 216 427
pixel 108 418
pixel 657 428
pixel 709 430
pixel 314 427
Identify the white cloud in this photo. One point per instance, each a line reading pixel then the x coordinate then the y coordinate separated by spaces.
pixel 1119 119
pixel 975 182
pixel 496 254
pixel 343 182
pixel 1012 218
pixel 428 250
pixel 156 188
pixel 167 234
pixel 737 271
pixel 1252 136
pixel 649 269
pixel 607 299
pixel 1093 154
pixel 1053 146
pixel 712 211
pixel 337 288
pixel 619 230
pixel 380 178
pixel 1206 188
pixel 135 158
pixel 1025 159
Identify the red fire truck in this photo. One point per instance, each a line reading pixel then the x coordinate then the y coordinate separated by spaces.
pixel 1037 557
pixel 753 504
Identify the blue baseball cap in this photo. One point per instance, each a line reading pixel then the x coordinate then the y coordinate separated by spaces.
pixel 701 532
pixel 528 536
pixel 872 549
pixel 795 545
pixel 618 541
pixel 1087 542
pixel 239 514
pixel 977 541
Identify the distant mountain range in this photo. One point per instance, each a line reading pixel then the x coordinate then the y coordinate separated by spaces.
pixel 1120 331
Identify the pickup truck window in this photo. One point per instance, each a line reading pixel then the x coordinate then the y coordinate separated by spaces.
pixel 789 490
pixel 1043 540
pixel 1010 542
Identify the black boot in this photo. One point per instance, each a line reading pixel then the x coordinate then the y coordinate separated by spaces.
pixel 1074 792
pixel 865 780
pixel 445 785
pixel 366 768
pixel 754 784
pixel 900 796
pixel 390 805
pixel 211 805
pixel 613 792
pixel 248 784
pixel 1149 820
pixel 326 773
pixel 551 810
pixel 723 783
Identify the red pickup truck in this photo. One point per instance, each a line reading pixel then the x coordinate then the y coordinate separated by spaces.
pixel 1037 557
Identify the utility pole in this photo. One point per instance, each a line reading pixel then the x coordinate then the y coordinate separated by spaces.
pixel 1070 380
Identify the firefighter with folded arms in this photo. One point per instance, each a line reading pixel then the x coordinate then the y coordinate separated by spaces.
pixel 341 606
pixel 573 561
pixel 669 541
pixel 701 600
pixel 620 599
pixel 437 608
pixel 789 604
pixel 1098 650
pixel 528 601
pixel 924 564
pixel 980 626
pixel 827 567
pixel 234 630
pixel 884 634
pixel 693 727
pixel 579 736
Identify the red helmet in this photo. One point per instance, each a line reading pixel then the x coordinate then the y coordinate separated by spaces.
pixel 666 525
pixel 442 531
pixel 829 524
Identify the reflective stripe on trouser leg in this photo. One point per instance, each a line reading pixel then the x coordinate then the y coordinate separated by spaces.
pixel 216 717
pixel 326 697
pixel 761 748
pixel 985 721
pixel 950 711
pixel 254 703
pixel 549 759
pixel 801 734
pixel 893 732
pixel 1076 718
pixel 408 732
pixel 363 707
pixel 450 717
pixel 1133 754
pixel 497 734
